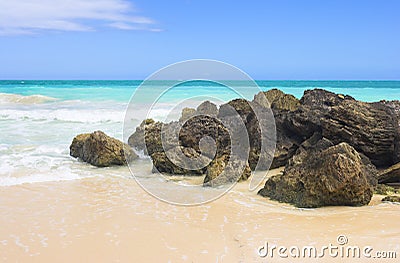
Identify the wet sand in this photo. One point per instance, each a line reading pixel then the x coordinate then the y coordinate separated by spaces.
pixel 112 219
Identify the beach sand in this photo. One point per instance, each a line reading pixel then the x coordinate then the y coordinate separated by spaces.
pixel 112 219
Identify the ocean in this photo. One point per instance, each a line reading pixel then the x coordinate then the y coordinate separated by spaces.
pixel 55 208
pixel 40 118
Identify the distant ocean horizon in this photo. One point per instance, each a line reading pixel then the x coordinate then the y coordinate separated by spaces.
pixel 121 90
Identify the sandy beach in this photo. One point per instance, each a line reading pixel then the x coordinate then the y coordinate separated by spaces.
pixel 199 131
pixel 111 219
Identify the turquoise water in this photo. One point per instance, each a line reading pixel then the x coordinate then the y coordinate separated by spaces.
pixel 121 91
pixel 39 119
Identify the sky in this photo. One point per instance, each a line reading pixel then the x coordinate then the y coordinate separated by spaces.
pixel 121 39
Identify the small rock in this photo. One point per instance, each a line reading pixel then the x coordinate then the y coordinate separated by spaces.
pixel 392 198
pixel 101 150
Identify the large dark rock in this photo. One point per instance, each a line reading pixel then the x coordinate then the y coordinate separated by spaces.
pixel 322 175
pixel 101 150
pixel 371 128
pixel 394 109
pixel 390 175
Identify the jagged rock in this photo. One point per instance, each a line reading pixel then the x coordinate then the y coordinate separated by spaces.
pixel 393 108
pixel 187 113
pixel 277 100
pixel 147 137
pixel 222 172
pixel 371 128
pixel 393 198
pixel 136 140
pixel 207 108
pixel 285 148
pixel 196 129
pixel 244 109
pixel 101 150
pixel 390 175
pixel 312 146
pixel 287 141
pixel 174 162
pixel 319 176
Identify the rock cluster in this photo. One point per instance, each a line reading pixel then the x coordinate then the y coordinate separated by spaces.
pixel 334 148
pixel 338 168
pixel 198 144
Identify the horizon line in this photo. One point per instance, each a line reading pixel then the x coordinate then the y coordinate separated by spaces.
pixel 90 79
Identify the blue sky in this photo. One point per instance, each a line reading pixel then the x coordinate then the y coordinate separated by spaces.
pixel 120 39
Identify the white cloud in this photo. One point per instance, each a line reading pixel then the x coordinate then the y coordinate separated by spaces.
pixel 33 16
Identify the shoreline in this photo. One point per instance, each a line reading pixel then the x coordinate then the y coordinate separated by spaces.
pixel 112 219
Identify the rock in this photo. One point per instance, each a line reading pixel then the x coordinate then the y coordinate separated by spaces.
pixel 319 176
pixel 312 146
pixel 382 189
pixel 344 119
pixel 244 109
pixel 394 110
pixel 392 198
pixel 174 162
pixel 222 172
pixel 196 129
pixel 287 142
pixel 147 137
pixel 101 150
pixel 348 121
pixel 285 148
pixel 136 140
pixel 76 147
pixel 277 100
pixel 390 175
pixel 207 108
pixel 186 114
